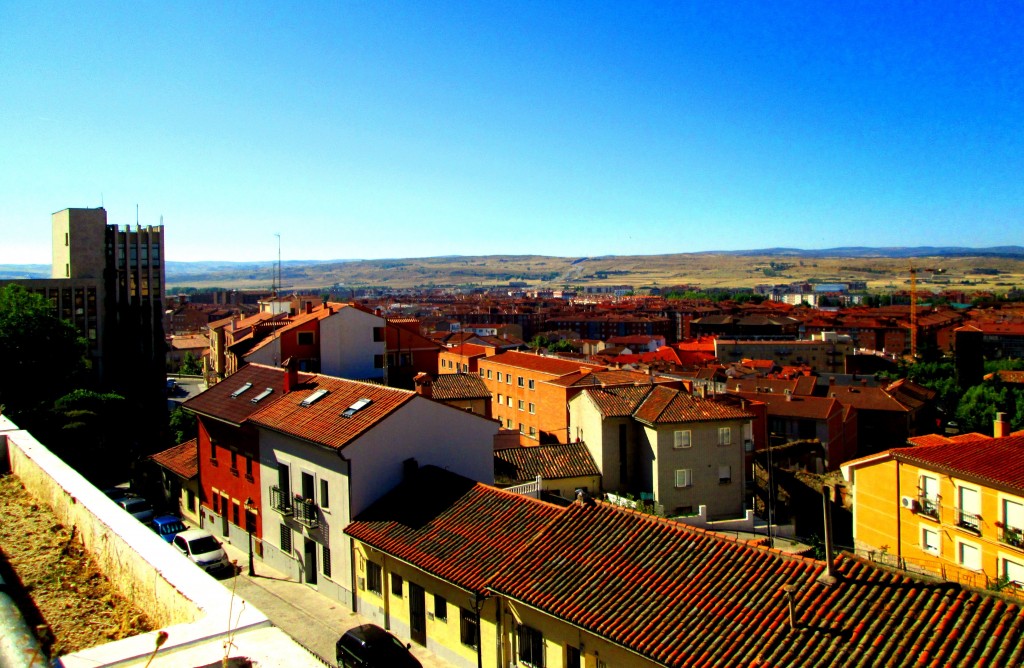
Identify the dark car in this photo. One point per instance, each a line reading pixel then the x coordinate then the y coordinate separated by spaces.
pixel 370 646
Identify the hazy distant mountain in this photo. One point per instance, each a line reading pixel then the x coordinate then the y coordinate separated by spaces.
pixel 16 271
pixel 891 251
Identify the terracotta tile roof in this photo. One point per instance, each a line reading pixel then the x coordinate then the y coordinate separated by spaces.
pixel 815 408
pixel 997 462
pixel 189 341
pixel 455 386
pixel 217 401
pixel 928 439
pixel 619 401
pixel 452 527
pixel 868 398
pixel 548 365
pixel 602 378
pixel 551 462
pixel 322 422
pixel 468 350
pixel 182 460
pixel 668 406
pixel 801 386
pixel 684 597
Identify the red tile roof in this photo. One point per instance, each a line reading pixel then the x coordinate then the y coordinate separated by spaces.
pixel 995 462
pixel 459 530
pixel 669 406
pixel 619 401
pixel 816 408
pixel 321 422
pixel 548 365
pixel 182 460
pixel 602 378
pixel 217 401
pixel 458 386
pixel 551 462
pixel 684 597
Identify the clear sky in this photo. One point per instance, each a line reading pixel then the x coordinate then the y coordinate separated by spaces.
pixel 411 129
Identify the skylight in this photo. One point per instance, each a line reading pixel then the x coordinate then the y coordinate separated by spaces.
pixel 262 395
pixel 240 391
pixel 356 407
pixel 313 398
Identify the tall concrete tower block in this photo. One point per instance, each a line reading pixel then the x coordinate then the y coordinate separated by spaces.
pixel 78 243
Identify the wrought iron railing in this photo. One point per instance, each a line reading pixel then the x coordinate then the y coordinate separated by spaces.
pixel 969 521
pixel 305 512
pixel 928 506
pixel 1012 536
pixel 280 501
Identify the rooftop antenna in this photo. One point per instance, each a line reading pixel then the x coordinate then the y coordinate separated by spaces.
pixel 136 215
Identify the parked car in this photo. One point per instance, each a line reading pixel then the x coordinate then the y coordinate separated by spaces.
pixel 370 646
pixel 201 547
pixel 137 507
pixel 167 526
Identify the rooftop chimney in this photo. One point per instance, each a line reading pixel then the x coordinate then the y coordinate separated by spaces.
pixel 291 375
pixel 424 385
pixel 1001 427
pixel 829 576
pixel 309 307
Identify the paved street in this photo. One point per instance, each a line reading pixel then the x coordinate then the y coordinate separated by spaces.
pixel 312 619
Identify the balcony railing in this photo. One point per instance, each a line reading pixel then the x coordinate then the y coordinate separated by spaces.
pixel 305 512
pixel 928 506
pixel 969 521
pixel 280 501
pixel 1012 536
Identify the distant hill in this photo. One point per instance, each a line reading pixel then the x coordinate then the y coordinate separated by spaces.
pixel 887 268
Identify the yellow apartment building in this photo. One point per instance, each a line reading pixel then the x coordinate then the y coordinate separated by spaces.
pixel 949 506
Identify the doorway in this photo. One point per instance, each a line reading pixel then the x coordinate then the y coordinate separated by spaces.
pixel 417 614
pixel 309 548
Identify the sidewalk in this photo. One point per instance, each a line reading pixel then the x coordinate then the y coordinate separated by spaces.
pixel 311 619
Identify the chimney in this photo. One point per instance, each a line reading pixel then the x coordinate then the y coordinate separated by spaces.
pixel 831 380
pixel 1001 427
pixel 424 385
pixel 829 576
pixel 291 375
pixel 309 307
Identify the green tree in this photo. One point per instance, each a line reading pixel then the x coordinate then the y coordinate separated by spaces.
pixel 43 356
pixel 979 405
pixel 191 365
pixel 88 431
pixel 183 426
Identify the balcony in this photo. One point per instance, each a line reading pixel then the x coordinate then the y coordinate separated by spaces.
pixel 279 501
pixel 1011 536
pixel 928 506
pixel 306 512
pixel 968 521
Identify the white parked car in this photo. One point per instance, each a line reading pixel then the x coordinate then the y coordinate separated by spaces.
pixel 201 547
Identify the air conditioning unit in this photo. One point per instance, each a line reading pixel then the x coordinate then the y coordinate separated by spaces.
pixel 908 502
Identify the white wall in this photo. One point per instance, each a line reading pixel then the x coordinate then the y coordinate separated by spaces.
pixel 347 346
pixel 269 354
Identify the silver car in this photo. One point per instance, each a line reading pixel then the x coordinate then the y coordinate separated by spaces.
pixel 201 547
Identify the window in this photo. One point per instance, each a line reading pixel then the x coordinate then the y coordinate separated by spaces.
pixel 928 499
pixel 522 428
pixel 305 338
pixel 481 373
pixel 968 556
pixel 440 608
pixel 216 502
pixel 684 477
pixel 508 423
pixel 326 561
pixel 724 475
pixel 969 509
pixel 532 384
pixel 499 376
pixel 325 498
pixel 396 585
pixel 508 400
pixel 488 374
pixel 522 405
pixel 190 500
pixel 378 334
pixel 508 379
pixel 929 540
pixel 531 646
pixel 501 398
pixel 469 632
pixel 572 657
pixel 533 407
pixel 533 432
pixel 724 435
pixel 248 467
pixel 234 462
pixel 378 361
pixel 681 439
pixel 286 539
pixel 519 381
pixel 235 514
pixel 1013 571
pixel 373 577
pixel 213 452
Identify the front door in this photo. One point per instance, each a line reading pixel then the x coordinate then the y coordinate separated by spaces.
pixel 310 550
pixel 417 614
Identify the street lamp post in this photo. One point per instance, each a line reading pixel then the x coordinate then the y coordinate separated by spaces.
pixel 249 507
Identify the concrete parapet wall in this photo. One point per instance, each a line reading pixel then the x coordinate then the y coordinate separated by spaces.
pixel 198 613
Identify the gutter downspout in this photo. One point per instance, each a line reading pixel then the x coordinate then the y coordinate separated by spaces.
pixel 899 518
pixel 351 543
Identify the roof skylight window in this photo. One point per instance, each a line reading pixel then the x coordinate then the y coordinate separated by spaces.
pixel 356 407
pixel 240 391
pixel 262 395
pixel 313 398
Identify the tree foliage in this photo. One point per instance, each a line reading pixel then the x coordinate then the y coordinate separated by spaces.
pixel 88 430
pixel 43 356
pixel 183 426
pixel 191 365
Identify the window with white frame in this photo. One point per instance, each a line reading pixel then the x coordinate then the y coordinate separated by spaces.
pixel 724 474
pixel 968 556
pixel 928 498
pixel 533 407
pixel 522 405
pixel 532 384
pixel 929 540
pixel 499 376
pixel 488 374
pixel 724 435
pixel 533 432
pixel 968 508
pixel 1012 570
pixel 501 398
pixel 681 438
pixel 684 477
pixel 519 381
pixel 1013 517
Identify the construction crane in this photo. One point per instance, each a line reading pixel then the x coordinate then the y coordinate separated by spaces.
pixel 913 306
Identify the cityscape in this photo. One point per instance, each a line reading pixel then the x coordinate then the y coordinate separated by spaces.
pixel 498 376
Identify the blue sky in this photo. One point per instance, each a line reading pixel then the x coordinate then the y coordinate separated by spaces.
pixel 379 129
